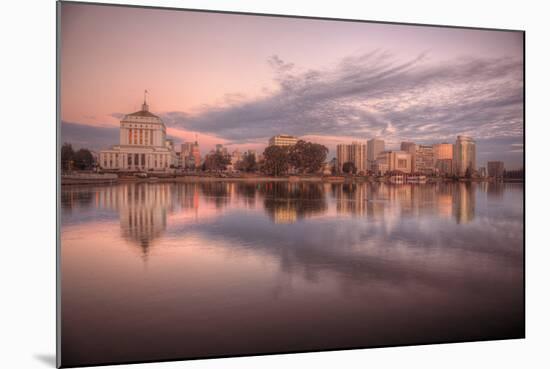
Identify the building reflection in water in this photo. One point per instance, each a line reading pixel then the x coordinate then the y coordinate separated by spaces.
pixel 351 198
pixel 143 208
pixel 495 190
pixel 381 201
pixel 464 202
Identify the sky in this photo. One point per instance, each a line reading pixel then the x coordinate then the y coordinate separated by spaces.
pixel 240 79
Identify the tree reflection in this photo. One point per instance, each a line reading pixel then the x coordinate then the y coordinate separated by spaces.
pixel 216 192
pixel 76 197
pixel 287 202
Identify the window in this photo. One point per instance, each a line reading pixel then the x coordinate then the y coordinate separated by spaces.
pixel 143 159
pixel 129 160
pixel 130 136
pixel 141 136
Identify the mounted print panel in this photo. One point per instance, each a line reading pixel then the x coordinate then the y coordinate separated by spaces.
pixel 241 184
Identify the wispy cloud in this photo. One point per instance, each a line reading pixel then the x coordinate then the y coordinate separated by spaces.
pixel 375 94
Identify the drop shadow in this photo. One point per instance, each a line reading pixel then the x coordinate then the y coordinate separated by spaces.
pixel 48 359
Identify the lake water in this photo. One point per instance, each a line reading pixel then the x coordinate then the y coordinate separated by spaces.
pixel 156 271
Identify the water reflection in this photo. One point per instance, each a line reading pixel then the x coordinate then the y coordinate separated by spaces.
pixel 143 207
pixel 289 202
pixel 277 266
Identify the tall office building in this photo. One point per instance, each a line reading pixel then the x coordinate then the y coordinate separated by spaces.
pixel 443 158
pixel 443 151
pixel 196 154
pixel 424 160
pixel 464 156
pixel 190 156
pixel 410 147
pixel 358 154
pixel 342 156
pixel 495 169
pixel 186 149
pixel 236 156
pixel 355 153
pixel 374 147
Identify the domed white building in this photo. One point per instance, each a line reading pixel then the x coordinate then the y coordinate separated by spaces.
pixel 143 145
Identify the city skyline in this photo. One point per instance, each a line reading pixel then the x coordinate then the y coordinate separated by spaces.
pixel 364 82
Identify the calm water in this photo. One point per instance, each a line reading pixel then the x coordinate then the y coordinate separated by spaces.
pixel 166 271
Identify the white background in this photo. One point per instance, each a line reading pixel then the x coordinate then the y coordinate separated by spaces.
pixel 27 196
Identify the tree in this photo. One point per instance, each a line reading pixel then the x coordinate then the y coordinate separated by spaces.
pixel 275 160
pixel 247 163
pixel 83 159
pixel 307 157
pixel 216 161
pixel 349 167
pixel 67 156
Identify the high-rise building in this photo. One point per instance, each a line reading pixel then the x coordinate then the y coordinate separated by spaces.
pixel 410 147
pixel 482 171
pixel 283 140
pixel 358 155
pixel 342 156
pixel 196 154
pixel 444 167
pixel 443 158
pixel 424 160
pixel 355 153
pixel 190 156
pixel 186 148
pixel 220 149
pixel 495 169
pixel 464 156
pixel 236 156
pixel 443 151
pixel 374 147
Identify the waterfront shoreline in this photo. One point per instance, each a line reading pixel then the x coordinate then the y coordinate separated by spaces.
pixel 95 179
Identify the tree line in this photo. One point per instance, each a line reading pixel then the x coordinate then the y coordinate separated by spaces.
pixel 303 157
pixel 71 159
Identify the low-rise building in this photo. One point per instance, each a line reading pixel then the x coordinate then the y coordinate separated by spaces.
pixel 393 161
pixel 283 140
